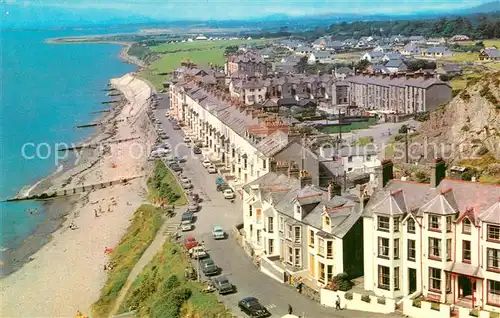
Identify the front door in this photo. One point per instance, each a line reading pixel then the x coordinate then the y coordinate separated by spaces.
pixel 312 265
pixel 412 276
pixel 465 286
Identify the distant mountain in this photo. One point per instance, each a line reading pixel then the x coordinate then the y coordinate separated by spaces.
pixel 489 7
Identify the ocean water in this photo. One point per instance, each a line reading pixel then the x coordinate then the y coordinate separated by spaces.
pixel 45 91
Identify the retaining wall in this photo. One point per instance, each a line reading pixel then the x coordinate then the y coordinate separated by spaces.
pixel 329 298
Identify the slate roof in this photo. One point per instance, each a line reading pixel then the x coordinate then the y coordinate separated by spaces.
pixel 395 63
pixel 450 197
pixel 375 54
pixel 345 70
pixel 321 55
pixel 492 52
pixel 421 82
pixel 393 55
pixel 437 49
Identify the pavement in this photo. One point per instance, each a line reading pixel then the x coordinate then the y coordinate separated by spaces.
pixel 228 254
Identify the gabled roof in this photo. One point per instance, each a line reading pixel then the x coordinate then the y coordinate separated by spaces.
pixel 392 205
pixel 443 204
pixel 492 52
pixel 395 63
pixel 491 215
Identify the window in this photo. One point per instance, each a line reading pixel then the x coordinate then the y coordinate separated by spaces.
pixel 298 209
pixel 297 234
pixel 281 224
pixel 448 282
pixel 264 163
pixel 250 209
pixel 290 255
pixel 368 157
pixel 311 238
pixel 329 249
pixel 493 259
pixel 384 277
pixel 329 273
pixel 448 224
pixel 251 230
pixel 258 237
pixel 435 279
pixel 383 223
pixel 349 159
pixel 396 224
pixel 327 220
pixel 466 226
pixel 289 232
pixel 270 224
pixel 448 249
pixel 270 246
pixel 411 250
pixel 411 226
pixel 321 276
pixel 297 257
pixel 321 247
pixel 433 222
pixel 493 296
pixel 434 248
pixel 383 247
pixel 396 248
pixel 493 233
pixel 466 252
pixel 396 278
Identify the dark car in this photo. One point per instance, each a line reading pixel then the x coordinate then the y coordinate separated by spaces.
pixel 223 186
pixel 180 159
pixel 196 150
pixel 175 167
pixel 252 307
pixel 164 135
pixel 176 128
pixel 222 284
pixel 208 267
pixel 187 216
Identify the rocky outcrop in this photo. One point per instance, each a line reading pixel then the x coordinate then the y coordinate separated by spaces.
pixel 466 128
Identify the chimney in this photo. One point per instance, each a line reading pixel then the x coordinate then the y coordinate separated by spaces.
pixel 305 178
pixel 293 171
pixel 438 172
pixel 330 194
pixel 272 165
pixel 384 172
pixel 282 167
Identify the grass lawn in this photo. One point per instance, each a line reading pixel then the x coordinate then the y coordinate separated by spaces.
pixel 348 128
pixel 487 43
pixel 170 61
pixel 461 81
pixel 141 232
pixel 163 185
pixel 149 292
pixel 463 57
pixel 201 45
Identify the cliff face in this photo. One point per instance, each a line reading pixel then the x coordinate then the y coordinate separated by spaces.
pixel 465 129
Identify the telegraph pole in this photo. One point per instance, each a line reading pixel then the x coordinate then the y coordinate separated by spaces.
pixel 406 145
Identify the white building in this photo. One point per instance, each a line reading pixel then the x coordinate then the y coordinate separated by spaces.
pixel 322 57
pixel 373 57
pixel 440 239
pixel 354 159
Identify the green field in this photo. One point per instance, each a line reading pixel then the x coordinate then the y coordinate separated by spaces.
pixel 460 82
pixel 141 232
pixel 348 128
pixel 152 293
pixel 200 45
pixel 487 43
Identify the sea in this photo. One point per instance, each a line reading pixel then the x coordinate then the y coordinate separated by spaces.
pixel 45 91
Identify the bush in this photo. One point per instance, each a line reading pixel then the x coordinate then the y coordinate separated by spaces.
pixel 482 151
pixel 170 303
pixel 474 312
pixel 171 283
pixel 141 294
pixel 381 301
pixel 348 296
pixel 422 116
pixel 417 302
pixel 399 137
pixel 365 298
pixel 340 282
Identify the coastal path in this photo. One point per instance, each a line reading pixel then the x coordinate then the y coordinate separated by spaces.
pixel 145 259
pixel 228 254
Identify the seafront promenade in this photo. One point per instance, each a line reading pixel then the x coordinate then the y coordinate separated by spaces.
pixel 67 274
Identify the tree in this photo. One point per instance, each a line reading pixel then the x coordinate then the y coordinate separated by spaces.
pixel 362 65
pixel 230 49
pixel 302 64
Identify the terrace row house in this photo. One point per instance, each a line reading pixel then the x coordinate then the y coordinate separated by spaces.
pixel 240 140
pixel 248 62
pixel 400 93
pixel 440 239
pixel 299 230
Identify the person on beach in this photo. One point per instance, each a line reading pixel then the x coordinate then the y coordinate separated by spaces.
pixel 290 309
pixel 95 213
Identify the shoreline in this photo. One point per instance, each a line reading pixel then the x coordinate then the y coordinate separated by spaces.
pixel 65 273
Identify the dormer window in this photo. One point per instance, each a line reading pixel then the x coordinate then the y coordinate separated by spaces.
pixel 327 220
pixel 298 209
pixel 466 229
pixel 410 227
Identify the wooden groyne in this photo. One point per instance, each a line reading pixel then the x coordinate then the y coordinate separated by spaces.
pixel 88 125
pixel 99 124
pixel 101 111
pixel 95 145
pixel 113 94
pixel 109 89
pixel 72 191
pixel 111 101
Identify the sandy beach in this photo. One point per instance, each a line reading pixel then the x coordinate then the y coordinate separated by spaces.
pixel 67 274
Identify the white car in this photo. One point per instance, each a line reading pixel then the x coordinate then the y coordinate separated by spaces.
pixel 185 179
pixel 206 163
pixel 160 130
pixel 228 194
pixel 212 169
pixel 187 140
pixel 198 252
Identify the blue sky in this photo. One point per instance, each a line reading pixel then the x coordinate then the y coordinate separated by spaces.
pixel 223 9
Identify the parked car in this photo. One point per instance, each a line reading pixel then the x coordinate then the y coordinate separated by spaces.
pixel 196 151
pixel 186 140
pixel 212 169
pixel 223 186
pixel 218 233
pixel 208 267
pixel 193 206
pixel 175 167
pixel 198 252
pixel 180 159
pixel 206 163
pixel 160 130
pixel 164 135
pixel 252 307
pixel 184 179
pixel 187 221
pixel 190 242
pixel 175 127
pixel 228 194
pixel 222 284
pixel 187 185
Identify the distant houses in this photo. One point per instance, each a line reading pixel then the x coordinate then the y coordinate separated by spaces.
pixel 437 52
pixel 489 54
pixel 373 57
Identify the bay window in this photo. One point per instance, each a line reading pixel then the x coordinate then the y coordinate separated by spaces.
pixel 435 279
pixel 434 248
pixel 383 247
pixel 493 259
pixel 384 277
pixel 383 223
pixel 434 222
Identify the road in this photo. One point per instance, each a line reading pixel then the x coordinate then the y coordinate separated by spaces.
pixel 235 263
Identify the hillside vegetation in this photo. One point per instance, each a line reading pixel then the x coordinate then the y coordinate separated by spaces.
pixel 465 132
